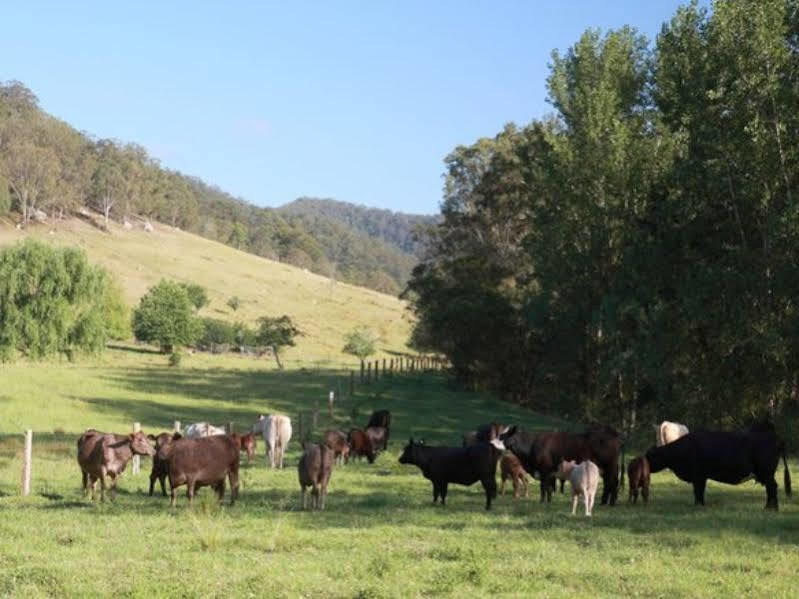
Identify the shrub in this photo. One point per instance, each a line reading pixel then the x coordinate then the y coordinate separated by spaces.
pixel 234 302
pixel 53 301
pixel 216 332
pixel 175 359
pixel 360 342
pixel 197 295
pixel 164 316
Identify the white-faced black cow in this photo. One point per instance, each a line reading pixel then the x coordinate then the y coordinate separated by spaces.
pixel 726 457
pixel 459 465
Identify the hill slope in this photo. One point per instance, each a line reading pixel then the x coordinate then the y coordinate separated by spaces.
pixel 324 309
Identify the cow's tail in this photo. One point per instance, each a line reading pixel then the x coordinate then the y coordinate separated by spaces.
pixel 621 474
pixel 786 474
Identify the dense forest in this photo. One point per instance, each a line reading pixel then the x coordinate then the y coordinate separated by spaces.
pixel 634 256
pixel 49 170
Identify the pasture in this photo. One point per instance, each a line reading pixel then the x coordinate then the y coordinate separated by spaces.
pixel 379 536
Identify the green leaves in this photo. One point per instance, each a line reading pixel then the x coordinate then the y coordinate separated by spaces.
pixel 53 301
pixel 361 342
pixel 165 317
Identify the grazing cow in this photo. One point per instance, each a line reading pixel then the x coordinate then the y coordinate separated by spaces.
pixel 381 418
pixel 484 434
pixel 276 430
pixel 459 465
pixel 378 436
pixel 668 432
pixel 638 475
pixel 202 429
pixel 360 445
pixel 511 468
pixel 314 469
pixel 160 469
pixel 726 457
pixel 246 443
pixel 107 454
pixel 543 453
pixel 203 462
pixel 337 441
pixel 584 479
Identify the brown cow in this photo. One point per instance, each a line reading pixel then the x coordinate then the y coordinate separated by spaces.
pixel 511 468
pixel 203 462
pixel 337 441
pixel 360 445
pixel 313 470
pixel 638 472
pixel 381 418
pixel 246 443
pixel 101 454
pixel 160 470
pixel 378 435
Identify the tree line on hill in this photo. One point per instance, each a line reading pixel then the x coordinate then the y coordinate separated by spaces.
pixel 634 255
pixel 49 169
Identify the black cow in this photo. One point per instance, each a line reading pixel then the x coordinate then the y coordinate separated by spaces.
pixel 378 436
pixel 459 465
pixel 484 434
pixel 542 453
pixel 160 468
pixel 726 457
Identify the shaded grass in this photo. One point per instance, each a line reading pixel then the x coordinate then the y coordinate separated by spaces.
pixel 380 535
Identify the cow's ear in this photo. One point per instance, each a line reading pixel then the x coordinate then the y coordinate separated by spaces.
pixel 151 437
pixel 508 433
pixel 176 436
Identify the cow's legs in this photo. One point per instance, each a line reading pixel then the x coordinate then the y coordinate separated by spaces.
pixel 699 491
pixel 444 493
pixel 93 486
pixel 575 499
pixel 435 492
pixel 152 484
pixel 303 496
pixel 220 490
pixel 233 479
pixel 771 494
pixel 502 487
pixel 190 490
pixel 645 493
pixel 610 487
pixel 84 481
pixel 490 486
pixel 171 494
pixel 114 480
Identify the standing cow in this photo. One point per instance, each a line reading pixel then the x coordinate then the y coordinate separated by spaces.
pixel 726 457
pixel 160 469
pixel 314 470
pixel 542 453
pixel 638 475
pixel 337 441
pixel 276 430
pixel 381 418
pixel 204 462
pixel 107 454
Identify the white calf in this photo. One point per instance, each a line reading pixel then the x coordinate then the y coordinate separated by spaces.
pixel 276 430
pixel 584 479
pixel 203 429
pixel 668 432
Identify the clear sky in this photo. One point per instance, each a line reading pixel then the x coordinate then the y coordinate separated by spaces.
pixel 356 101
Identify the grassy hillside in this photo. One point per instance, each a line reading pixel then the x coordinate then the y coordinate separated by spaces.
pixel 324 310
pixel 379 537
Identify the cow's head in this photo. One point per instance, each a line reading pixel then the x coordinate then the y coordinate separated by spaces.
pixel 564 469
pixel 407 456
pixel 511 440
pixel 140 445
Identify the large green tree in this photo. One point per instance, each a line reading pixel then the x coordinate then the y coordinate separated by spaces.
pixel 165 316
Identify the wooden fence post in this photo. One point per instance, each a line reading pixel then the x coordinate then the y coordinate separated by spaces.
pixel 369 372
pixel 27 463
pixel 384 367
pixel 136 458
pixel 352 383
pixel 230 427
pixel 330 398
pixel 362 369
pixel 315 420
pixel 176 426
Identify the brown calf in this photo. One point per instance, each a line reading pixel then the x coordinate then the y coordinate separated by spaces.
pixel 314 471
pixel 246 443
pixel 638 472
pixel 511 468
pixel 337 441
pixel 107 454
pixel 360 445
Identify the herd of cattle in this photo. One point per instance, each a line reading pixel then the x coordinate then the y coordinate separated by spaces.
pixel 205 455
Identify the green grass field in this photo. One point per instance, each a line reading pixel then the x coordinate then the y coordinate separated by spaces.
pixel 380 535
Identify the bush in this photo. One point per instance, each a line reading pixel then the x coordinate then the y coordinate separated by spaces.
pixel 175 359
pixel 216 332
pixel 53 301
pixel 165 316
pixel 360 342
pixel 197 294
pixel 234 302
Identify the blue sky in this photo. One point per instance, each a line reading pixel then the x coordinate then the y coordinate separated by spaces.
pixel 357 101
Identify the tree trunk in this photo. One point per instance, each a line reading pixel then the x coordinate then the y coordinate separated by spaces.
pixel 277 358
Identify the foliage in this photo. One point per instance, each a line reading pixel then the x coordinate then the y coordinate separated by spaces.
pixel 633 257
pixel 361 342
pixel 175 359
pixel 234 303
pixel 164 316
pixel 216 332
pixel 277 333
pixel 53 301
pixel 5 197
pixel 198 296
